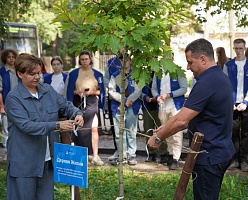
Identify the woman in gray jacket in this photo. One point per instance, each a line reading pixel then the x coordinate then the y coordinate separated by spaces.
pixel 33 110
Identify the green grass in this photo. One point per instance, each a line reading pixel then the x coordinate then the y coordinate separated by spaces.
pixel 103 184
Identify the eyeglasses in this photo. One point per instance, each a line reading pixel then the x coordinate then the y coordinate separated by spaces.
pixel 236 49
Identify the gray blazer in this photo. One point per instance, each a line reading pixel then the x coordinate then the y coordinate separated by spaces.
pixel 31 120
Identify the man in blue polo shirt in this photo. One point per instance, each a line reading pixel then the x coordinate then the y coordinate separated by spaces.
pixel 208 110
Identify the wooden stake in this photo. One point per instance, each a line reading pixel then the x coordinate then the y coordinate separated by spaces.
pixel 188 166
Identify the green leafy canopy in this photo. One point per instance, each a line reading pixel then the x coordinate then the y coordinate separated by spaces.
pixel 141 27
pixel 218 6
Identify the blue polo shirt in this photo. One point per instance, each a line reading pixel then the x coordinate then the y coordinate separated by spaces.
pixel 212 97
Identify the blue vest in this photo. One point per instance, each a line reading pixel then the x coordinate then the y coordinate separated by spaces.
pixel 178 101
pixel 48 78
pixel 6 82
pixel 130 86
pixel 72 82
pixel 232 74
pixel 114 65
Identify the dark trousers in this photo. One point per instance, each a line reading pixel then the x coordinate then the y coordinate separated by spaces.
pixel 207 180
pixel 112 128
pixel 240 135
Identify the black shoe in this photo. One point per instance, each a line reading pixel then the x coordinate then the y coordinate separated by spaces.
pixel 163 159
pixel 234 165
pixel 116 161
pixel 175 165
pixel 170 159
pixel 151 158
pixel 244 166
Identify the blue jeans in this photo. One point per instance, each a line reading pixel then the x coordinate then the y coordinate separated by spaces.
pixel 208 179
pixel 129 137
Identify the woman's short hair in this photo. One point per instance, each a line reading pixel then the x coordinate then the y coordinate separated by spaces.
pixel 26 63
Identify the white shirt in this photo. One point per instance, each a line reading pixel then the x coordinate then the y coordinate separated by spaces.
pixel 165 88
pixel 240 78
pixel 58 83
pixel 48 155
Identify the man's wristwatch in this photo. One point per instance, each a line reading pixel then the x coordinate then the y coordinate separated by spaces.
pixel 57 125
pixel 157 139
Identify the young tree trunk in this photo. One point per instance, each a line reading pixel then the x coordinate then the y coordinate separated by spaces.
pixel 231 19
pixel 122 126
pixel 55 47
pixel 188 166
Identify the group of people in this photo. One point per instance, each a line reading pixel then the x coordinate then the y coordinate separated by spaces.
pixel 162 99
pixel 165 95
pixel 216 107
pixel 40 107
pixel 236 70
pixel 33 110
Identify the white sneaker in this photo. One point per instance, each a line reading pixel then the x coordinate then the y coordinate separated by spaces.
pixel 114 156
pixel 97 160
pixel 90 158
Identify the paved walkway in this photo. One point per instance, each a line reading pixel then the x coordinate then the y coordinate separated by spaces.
pixel 106 149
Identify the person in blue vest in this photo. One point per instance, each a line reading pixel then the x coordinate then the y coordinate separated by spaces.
pixel 112 66
pixel 132 105
pixel 57 81
pixel 237 71
pixel 169 93
pixel 8 81
pixel 85 88
pixel 58 77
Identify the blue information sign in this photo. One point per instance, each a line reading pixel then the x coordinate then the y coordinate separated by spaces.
pixel 71 165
